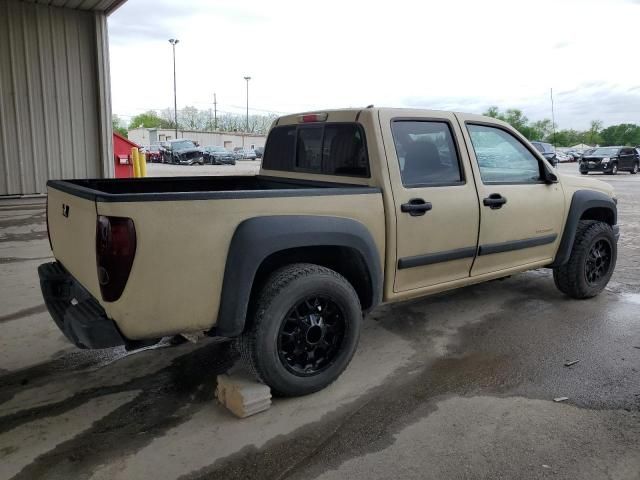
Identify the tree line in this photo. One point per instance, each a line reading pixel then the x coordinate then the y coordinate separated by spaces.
pixel 542 130
pixel 191 118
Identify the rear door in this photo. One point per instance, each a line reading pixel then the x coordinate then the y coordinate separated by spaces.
pixel 72 228
pixel 521 217
pixel 435 198
pixel 626 158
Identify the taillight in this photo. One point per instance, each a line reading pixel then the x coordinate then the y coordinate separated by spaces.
pixel 115 250
pixel 312 117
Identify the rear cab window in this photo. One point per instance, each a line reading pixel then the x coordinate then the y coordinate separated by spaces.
pixel 328 149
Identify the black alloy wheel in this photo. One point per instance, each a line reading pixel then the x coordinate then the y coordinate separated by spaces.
pixel 311 335
pixel 598 261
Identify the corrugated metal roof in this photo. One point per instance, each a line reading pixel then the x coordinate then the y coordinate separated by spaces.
pixel 106 6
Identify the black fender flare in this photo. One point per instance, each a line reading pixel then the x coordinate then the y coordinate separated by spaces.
pixel 257 238
pixel 581 201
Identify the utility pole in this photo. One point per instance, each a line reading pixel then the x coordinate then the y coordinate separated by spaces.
pixel 553 120
pixel 246 130
pixel 174 42
pixel 215 113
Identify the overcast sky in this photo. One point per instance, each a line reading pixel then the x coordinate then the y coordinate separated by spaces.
pixel 457 55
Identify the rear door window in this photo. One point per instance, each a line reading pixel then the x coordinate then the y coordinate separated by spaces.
pixel 329 149
pixel 426 153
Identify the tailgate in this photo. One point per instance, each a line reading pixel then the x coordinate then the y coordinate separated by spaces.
pixel 72 227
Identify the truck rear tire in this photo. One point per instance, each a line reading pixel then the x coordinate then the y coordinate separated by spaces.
pixel 591 263
pixel 305 329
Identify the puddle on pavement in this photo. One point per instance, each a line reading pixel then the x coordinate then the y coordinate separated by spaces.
pixel 631 297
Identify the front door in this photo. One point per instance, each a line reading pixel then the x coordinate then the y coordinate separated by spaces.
pixel 521 216
pixel 436 204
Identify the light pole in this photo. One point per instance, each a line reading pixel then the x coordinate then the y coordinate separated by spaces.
pixel 247 119
pixel 553 120
pixel 174 42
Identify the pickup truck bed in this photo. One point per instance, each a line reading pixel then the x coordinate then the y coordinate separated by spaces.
pixel 191 221
pixel 200 188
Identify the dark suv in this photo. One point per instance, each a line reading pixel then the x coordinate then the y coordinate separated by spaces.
pixel 182 152
pixel 610 160
pixel 548 151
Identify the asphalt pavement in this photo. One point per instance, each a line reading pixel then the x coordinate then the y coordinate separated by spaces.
pixel 457 385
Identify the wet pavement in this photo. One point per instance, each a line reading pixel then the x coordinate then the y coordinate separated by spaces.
pixel 458 385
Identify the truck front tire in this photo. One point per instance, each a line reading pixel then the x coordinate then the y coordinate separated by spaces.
pixel 591 263
pixel 305 329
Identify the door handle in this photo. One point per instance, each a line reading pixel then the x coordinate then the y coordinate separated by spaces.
pixel 494 201
pixel 416 207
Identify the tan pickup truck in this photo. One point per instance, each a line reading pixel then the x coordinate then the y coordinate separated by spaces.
pixel 352 208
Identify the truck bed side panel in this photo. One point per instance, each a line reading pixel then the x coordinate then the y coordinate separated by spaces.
pixel 177 274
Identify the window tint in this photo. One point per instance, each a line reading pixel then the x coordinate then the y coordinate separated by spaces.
pixel 309 148
pixel 343 151
pixel 501 157
pixel 426 153
pixel 280 149
pixel 330 149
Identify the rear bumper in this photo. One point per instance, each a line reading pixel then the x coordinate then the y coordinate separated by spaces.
pixel 76 312
pixel 616 232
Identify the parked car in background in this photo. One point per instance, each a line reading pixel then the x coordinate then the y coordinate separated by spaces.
pixel 259 151
pixel 182 152
pixel 575 155
pixel 563 157
pixel 610 160
pixel 216 155
pixel 547 150
pixel 153 154
pixel 245 153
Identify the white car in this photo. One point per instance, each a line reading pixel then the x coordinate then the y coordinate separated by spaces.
pixel 563 157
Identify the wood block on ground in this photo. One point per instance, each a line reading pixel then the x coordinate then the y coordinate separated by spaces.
pixel 242 394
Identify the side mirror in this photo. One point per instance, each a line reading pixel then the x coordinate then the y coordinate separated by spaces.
pixel 550 177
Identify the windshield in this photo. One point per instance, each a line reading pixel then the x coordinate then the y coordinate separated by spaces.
pixel 215 149
pixel 183 144
pixel 605 151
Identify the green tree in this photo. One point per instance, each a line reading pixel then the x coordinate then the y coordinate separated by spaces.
pixel 541 130
pixel 493 112
pixel 118 125
pixel 623 134
pixel 149 119
pixel 592 136
pixel 567 138
pixel 518 120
